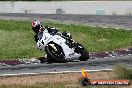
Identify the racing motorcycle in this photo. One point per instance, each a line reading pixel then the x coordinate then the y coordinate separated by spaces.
pixel 59 46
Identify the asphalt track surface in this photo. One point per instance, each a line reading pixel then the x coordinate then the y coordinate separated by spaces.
pixel 90 65
pixel 123 22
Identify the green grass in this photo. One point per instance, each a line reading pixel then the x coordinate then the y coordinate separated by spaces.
pixel 97 38
pixel 122 72
pixel 17 38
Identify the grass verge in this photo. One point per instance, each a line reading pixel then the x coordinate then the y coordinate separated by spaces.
pixel 17 38
pixel 122 72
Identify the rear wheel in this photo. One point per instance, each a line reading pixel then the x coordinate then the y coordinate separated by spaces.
pixel 84 56
pixel 55 51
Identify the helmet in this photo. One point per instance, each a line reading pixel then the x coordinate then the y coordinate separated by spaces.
pixel 36 26
pixel 36 23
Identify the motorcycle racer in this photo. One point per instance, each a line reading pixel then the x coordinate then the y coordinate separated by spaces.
pixel 38 29
pixel 58 46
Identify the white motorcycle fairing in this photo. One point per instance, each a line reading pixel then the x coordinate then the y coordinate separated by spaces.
pixel 45 38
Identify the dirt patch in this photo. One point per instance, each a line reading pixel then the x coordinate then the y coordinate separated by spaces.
pixel 52 78
pixel 67 80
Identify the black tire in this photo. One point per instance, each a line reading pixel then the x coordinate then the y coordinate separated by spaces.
pixel 58 57
pixel 84 56
pixel 42 59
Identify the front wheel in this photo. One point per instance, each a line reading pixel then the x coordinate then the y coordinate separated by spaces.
pixel 55 51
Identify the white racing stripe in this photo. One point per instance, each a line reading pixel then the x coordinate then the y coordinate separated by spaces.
pixel 21 74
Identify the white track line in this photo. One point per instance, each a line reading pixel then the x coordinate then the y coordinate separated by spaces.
pixel 21 74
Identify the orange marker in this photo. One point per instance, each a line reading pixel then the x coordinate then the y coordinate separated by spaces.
pixel 86 81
